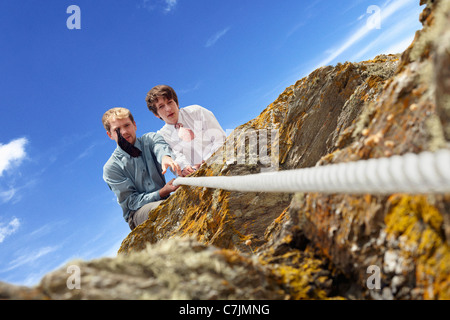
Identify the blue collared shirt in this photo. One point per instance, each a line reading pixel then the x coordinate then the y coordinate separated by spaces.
pixel 137 181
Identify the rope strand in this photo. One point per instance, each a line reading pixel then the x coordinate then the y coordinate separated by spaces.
pixel 426 172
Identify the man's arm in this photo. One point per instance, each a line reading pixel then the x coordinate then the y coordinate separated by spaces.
pixel 159 147
pixel 164 154
pixel 124 189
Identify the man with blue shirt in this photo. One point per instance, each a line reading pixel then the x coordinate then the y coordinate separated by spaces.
pixel 135 171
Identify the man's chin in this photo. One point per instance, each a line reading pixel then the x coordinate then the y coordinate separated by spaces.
pixel 172 120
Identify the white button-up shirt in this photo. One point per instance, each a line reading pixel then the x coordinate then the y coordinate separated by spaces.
pixel 208 136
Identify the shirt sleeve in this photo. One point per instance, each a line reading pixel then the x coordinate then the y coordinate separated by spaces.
pixel 124 189
pixel 180 159
pixel 161 148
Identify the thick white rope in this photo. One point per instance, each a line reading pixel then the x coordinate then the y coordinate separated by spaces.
pixel 426 172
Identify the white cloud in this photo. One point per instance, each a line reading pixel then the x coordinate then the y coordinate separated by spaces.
pixel 212 41
pixel 12 154
pixel 9 229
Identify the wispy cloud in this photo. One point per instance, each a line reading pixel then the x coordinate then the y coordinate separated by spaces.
pixel 12 154
pixel 393 40
pixel 45 229
pixel 295 28
pixel 193 87
pixel 6 196
pixel 9 229
pixel 13 191
pixel 86 153
pixel 212 41
pixel 400 46
pixel 165 5
pixel 170 5
pixel 389 8
pixel 30 257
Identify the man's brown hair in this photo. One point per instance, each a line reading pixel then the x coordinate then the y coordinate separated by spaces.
pixel 160 91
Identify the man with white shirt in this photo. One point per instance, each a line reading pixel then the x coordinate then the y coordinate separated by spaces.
pixel 192 132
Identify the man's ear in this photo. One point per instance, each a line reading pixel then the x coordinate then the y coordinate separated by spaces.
pixel 110 135
pixel 157 116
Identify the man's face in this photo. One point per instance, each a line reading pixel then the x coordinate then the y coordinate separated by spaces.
pixel 127 129
pixel 167 110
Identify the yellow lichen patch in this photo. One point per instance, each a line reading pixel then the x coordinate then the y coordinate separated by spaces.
pixel 383 58
pixel 418 224
pixel 302 274
pixel 205 222
pixel 374 81
pixel 408 210
pixel 296 280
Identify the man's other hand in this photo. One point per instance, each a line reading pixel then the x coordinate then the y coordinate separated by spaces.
pixel 168 189
pixel 187 171
pixel 169 162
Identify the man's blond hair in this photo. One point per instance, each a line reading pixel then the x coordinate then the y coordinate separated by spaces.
pixel 116 113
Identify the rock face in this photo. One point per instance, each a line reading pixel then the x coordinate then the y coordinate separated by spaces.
pixel 171 269
pixel 213 244
pixel 405 236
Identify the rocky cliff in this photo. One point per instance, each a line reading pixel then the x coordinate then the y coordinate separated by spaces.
pixel 213 244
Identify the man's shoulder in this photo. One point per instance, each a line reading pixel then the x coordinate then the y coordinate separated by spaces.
pixel 113 161
pixel 149 137
pixel 196 111
pixel 165 131
pixel 192 109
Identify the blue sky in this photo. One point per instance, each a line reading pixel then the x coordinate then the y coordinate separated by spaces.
pixel 232 57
